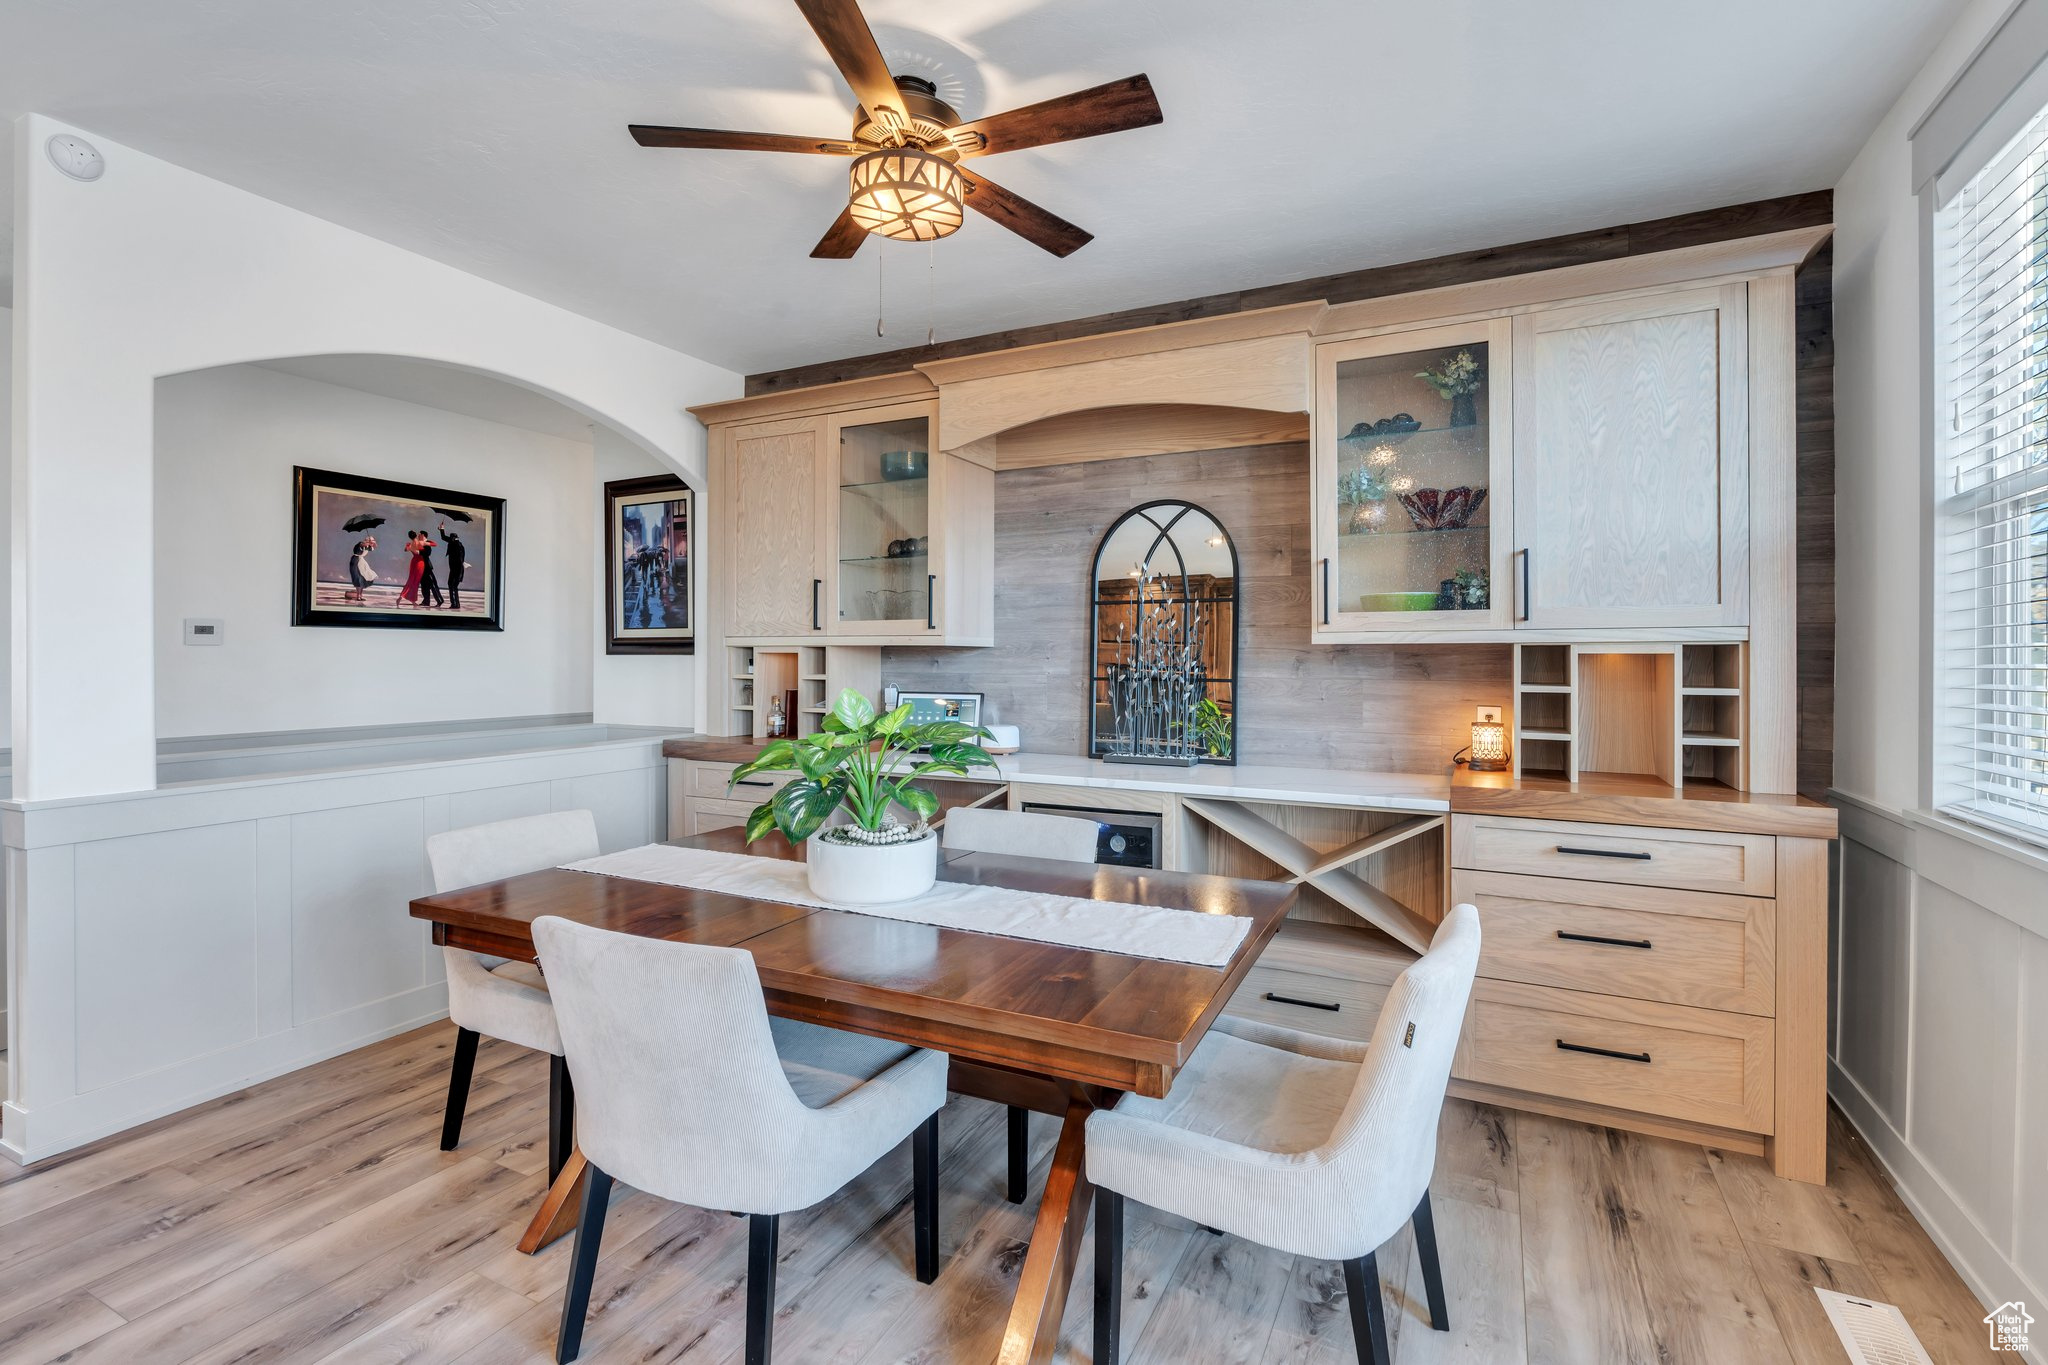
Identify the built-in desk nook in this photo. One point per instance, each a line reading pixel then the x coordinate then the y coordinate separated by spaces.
pixel 1654 957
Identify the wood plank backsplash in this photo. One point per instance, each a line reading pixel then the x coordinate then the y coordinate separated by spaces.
pixel 1385 707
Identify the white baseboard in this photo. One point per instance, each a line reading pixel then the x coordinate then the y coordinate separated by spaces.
pixel 1988 1271
pixel 30 1135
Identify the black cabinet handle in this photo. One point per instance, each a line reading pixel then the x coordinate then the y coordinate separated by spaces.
pixel 931 597
pixel 1610 942
pixel 1326 592
pixel 1306 1004
pixel 1563 1046
pixel 816 584
pixel 755 782
pixel 1603 853
pixel 1523 555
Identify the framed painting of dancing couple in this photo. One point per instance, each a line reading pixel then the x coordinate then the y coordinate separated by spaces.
pixel 647 524
pixel 376 553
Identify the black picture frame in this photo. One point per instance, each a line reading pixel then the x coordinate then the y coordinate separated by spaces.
pixel 321 545
pixel 625 585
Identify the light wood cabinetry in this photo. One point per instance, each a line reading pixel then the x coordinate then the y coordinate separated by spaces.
pixel 1410 486
pixel 840 519
pixel 1631 462
pixel 771 576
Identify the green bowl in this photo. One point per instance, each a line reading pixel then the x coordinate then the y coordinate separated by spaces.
pixel 1397 601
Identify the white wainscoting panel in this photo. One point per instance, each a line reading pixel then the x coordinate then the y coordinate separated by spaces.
pixel 1965 1032
pixel 158 915
pixel 487 804
pixel 2031 1150
pixel 353 870
pixel 166 947
pixel 1876 919
pixel 1941 1056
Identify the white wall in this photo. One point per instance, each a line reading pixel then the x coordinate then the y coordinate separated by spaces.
pixel 639 689
pixel 6 503
pixel 152 271
pixel 1941 939
pixel 226 441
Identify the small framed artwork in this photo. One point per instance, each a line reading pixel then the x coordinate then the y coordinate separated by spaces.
pixel 378 553
pixel 647 527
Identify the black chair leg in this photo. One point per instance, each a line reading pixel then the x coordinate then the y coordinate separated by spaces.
pixel 1432 1268
pixel 1020 1151
pixel 458 1087
pixel 597 1196
pixel 1109 1275
pixel 561 1116
pixel 761 1237
pixel 924 1166
pixel 1368 1314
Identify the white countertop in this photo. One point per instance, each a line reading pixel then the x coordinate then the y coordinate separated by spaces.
pixel 1423 792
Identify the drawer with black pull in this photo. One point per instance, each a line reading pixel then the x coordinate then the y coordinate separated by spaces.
pixel 709 779
pixel 1684 859
pixel 1646 942
pixel 1702 1066
pixel 1333 1006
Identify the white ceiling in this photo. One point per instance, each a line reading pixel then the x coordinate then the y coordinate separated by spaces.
pixel 1301 138
pixel 442 386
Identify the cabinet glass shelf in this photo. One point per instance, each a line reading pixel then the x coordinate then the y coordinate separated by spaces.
pixel 876 512
pixel 889 559
pixel 1384 486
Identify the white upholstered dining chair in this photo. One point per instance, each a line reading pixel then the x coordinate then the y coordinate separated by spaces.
pixel 1305 1144
pixel 690 1092
pixel 507 1000
pixel 1023 834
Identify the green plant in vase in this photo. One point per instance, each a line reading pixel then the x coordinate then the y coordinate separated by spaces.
pixel 1457 378
pixel 869 764
pixel 1364 492
pixel 1212 727
pixel 865 762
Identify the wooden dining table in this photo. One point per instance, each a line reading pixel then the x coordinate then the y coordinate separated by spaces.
pixel 1054 1029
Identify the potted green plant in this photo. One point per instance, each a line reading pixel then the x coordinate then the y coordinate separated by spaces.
pixel 1457 378
pixel 1212 728
pixel 869 764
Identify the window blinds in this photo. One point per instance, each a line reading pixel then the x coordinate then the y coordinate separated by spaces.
pixel 1991 562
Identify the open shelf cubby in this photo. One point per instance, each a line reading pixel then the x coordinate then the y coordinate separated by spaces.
pixel 1541 744
pixel 1672 712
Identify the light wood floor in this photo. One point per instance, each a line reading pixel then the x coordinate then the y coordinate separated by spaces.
pixel 313 1218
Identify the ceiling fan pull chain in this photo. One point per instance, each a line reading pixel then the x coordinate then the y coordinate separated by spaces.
pixel 878 293
pixel 931 293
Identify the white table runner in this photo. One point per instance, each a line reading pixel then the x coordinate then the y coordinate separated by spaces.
pixel 1074 921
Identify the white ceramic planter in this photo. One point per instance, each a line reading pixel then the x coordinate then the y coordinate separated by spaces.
pixel 852 874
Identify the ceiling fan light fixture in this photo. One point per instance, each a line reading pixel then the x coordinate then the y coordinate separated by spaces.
pixel 906 194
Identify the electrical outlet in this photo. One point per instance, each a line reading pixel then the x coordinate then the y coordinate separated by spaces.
pixel 203 630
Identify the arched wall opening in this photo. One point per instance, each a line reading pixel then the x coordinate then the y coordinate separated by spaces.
pixel 226 440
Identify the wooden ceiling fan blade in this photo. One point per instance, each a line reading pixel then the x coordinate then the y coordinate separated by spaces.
pixel 1034 224
pixel 850 43
pixel 841 240
pixel 1111 108
pixel 655 135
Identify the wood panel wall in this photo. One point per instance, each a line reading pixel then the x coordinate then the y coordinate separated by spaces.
pixel 1815 302
pixel 1491 263
pixel 1389 707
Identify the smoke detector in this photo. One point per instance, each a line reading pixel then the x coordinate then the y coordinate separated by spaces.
pixel 76 157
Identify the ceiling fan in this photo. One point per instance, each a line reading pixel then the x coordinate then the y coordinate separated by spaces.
pixel 907 144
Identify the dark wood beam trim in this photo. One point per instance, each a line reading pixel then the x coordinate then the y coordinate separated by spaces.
pixel 1603 244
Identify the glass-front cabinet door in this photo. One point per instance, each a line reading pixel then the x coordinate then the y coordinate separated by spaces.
pixel 883 470
pixel 1411 461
